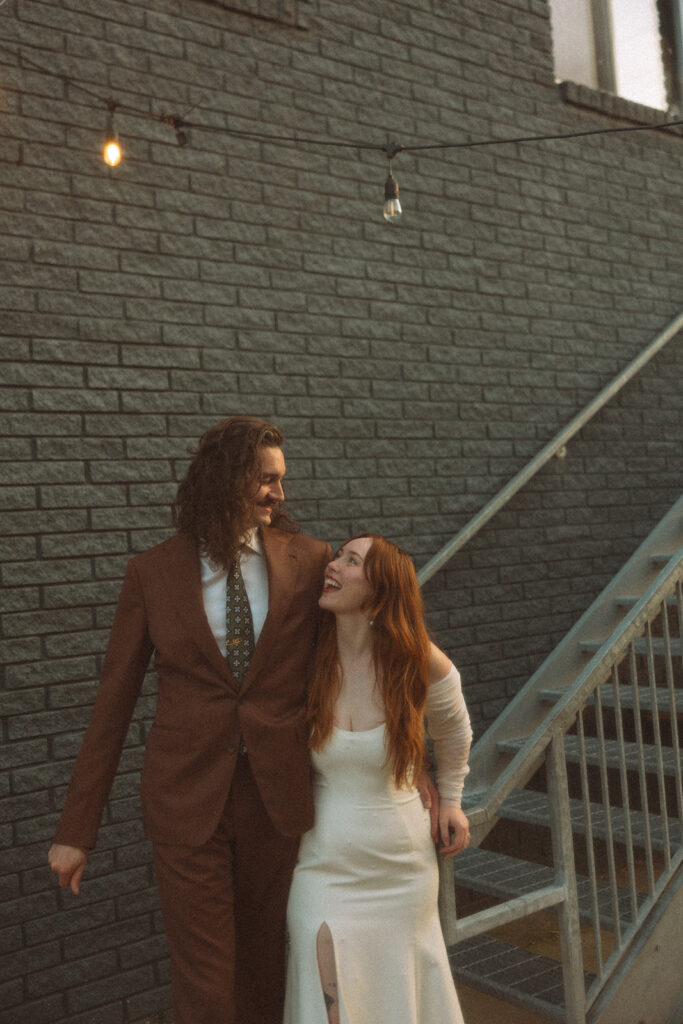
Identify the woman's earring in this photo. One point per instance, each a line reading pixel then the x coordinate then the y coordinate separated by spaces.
pixel 372 622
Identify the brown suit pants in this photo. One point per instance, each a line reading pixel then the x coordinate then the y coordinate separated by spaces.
pixel 224 909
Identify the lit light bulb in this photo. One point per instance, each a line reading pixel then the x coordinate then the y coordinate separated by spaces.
pixel 392 206
pixel 112 152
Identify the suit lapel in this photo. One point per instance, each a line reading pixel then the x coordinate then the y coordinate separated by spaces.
pixel 181 573
pixel 282 564
pixel 183 579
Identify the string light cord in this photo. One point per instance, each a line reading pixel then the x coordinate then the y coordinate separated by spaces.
pixel 180 124
pixel 105 101
pixel 25 61
pixel 422 147
pixel 546 138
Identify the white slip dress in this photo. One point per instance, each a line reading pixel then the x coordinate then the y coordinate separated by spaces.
pixel 368 869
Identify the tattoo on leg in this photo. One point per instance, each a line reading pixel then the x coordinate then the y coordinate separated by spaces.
pixel 328 973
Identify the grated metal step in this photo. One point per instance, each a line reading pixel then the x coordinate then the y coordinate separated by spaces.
pixel 527 979
pixel 626 697
pixel 533 808
pixel 502 876
pixel 611 748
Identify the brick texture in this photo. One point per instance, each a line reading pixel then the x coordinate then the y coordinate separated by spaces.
pixel 414 367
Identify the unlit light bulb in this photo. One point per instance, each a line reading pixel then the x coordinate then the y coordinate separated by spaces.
pixel 392 206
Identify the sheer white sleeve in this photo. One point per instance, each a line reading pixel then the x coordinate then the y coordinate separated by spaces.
pixel 448 724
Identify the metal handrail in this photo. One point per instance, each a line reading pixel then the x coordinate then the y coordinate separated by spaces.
pixel 489 510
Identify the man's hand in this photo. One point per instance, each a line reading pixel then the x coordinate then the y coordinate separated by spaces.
pixel 453 823
pixel 429 795
pixel 69 864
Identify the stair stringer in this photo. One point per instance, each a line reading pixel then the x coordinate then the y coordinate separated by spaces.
pixel 526 711
pixel 648 984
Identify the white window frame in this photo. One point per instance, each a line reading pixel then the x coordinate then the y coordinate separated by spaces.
pixel 585 41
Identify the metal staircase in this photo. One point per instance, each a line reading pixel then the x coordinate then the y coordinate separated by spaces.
pixel 578 784
pixel 576 804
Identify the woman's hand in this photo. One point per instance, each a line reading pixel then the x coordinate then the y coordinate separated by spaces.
pixel 69 864
pixel 454 830
pixel 429 795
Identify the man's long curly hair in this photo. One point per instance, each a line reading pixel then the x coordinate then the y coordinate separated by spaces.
pixel 213 503
pixel 401 649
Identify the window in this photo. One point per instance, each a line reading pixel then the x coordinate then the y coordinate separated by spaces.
pixel 630 48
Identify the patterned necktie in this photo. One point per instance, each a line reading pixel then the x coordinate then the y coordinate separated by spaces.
pixel 239 635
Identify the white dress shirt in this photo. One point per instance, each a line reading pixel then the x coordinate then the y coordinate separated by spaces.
pixel 214 582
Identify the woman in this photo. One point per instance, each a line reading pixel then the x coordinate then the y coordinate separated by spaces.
pixel 366 945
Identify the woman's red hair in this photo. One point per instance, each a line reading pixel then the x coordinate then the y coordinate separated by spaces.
pixel 400 652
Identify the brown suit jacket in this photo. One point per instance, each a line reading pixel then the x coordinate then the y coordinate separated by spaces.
pixel 201 715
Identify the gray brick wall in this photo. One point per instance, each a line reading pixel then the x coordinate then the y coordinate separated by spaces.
pixel 414 367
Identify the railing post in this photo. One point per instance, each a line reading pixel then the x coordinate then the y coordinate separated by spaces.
pixel 447 911
pixel 565 875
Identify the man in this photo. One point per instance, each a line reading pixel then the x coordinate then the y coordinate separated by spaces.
pixel 226 778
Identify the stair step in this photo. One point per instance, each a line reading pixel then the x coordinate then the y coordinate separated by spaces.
pixel 505 877
pixel 626 697
pixel 629 600
pixel 611 748
pixel 533 808
pixel 527 979
pixel 661 559
pixel 641 646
